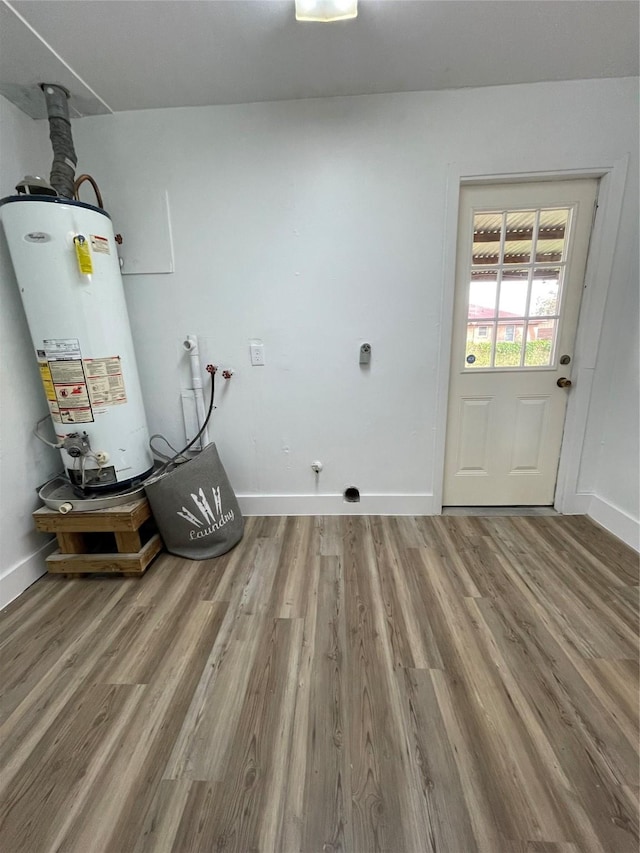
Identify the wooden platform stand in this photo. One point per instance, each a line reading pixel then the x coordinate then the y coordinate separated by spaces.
pixel 120 539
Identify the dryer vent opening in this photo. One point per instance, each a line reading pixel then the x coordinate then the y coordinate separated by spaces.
pixel 352 495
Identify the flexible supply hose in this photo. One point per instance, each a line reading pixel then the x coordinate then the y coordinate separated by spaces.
pixel 80 181
pixel 38 435
pixel 172 460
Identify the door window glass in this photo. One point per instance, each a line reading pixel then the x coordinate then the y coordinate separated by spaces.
pixel 509 340
pixel 515 292
pixel 487 235
pixel 518 236
pixel 545 293
pixel 514 289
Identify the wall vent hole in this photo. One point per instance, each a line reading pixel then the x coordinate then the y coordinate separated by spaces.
pixel 352 495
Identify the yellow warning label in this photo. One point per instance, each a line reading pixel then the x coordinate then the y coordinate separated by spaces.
pixel 47 381
pixel 83 254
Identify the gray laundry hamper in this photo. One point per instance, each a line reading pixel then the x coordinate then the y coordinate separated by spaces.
pixel 195 508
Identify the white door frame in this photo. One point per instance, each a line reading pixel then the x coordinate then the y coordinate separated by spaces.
pixel 568 498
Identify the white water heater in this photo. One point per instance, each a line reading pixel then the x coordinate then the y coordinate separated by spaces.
pixel 65 259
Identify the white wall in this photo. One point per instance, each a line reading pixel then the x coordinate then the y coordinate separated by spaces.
pixel 611 469
pixel 316 225
pixel 24 461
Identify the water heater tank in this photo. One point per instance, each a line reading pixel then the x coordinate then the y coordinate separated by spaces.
pixel 65 259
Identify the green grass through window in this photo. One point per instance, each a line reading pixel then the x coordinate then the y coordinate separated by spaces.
pixel 538 353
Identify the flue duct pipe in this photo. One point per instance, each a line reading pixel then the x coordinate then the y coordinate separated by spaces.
pixel 63 168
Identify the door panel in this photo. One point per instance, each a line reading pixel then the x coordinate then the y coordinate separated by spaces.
pixel 521 259
pixel 474 432
pixel 531 414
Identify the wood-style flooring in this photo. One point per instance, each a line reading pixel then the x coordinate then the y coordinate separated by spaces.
pixel 333 684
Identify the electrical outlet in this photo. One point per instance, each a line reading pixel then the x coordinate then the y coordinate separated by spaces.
pixel 256 349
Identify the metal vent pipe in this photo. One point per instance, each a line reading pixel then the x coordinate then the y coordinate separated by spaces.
pixel 63 168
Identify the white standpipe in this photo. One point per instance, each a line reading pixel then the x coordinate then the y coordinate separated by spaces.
pixel 191 346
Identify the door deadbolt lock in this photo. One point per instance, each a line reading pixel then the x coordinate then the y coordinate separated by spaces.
pixel 565 359
pixel 563 382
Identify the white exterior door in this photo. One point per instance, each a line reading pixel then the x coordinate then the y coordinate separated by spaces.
pixel 521 258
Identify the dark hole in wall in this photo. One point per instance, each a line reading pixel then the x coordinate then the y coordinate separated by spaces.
pixel 352 495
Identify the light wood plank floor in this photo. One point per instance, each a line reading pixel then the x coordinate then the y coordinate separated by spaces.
pixel 333 684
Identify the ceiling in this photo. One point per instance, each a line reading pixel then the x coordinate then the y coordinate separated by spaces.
pixel 141 54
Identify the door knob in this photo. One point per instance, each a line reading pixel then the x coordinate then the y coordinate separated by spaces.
pixel 563 382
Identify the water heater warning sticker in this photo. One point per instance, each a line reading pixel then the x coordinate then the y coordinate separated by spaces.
pixel 67 372
pixel 59 348
pixel 76 416
pixel 54 410
pixel 72 396
pixel 99 244
pixel 66 390
pixel 105 381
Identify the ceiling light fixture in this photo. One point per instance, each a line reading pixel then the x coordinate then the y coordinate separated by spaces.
pixel 326 10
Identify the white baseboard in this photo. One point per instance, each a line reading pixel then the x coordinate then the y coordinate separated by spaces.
pixel 576 504
pixel 335 505
pixel 615 521
pixel 19 577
